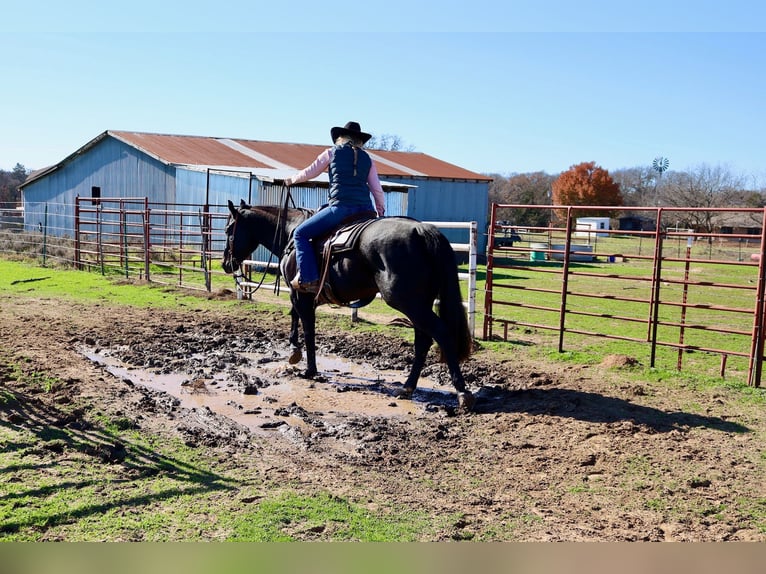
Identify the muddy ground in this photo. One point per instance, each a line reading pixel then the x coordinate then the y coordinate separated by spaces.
pixel 553 451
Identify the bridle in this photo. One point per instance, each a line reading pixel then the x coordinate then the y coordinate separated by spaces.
pixel 235 264
pixel 280 231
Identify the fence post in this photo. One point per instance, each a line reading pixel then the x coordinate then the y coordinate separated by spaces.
pixel 204 251
pixel 124 234
pixel 77 261
pixel 565 278
pixel 100 240
pixel 756 344
pixel 147 245
pixel 487 332
pixel 654 302
pixel 45 234
pixel 684 300
pixel 473 240
pixel 180 247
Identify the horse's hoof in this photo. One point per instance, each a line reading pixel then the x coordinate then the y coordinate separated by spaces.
pixel 295 357
pixel 309 374
pixel 405 393
pixel 465 402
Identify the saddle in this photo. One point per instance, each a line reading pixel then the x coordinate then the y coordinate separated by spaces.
pixel 333 244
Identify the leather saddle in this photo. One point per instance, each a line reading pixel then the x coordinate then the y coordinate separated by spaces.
pixel 331 245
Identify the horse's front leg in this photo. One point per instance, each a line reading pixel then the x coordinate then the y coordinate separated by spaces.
pixel 304 305
pixel 295 345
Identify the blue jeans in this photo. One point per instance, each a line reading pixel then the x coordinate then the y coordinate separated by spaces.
pixel 319 224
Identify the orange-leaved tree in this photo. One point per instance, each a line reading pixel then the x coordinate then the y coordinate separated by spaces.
pixel 586 184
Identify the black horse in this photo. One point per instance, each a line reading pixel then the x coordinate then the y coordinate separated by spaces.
pixel 410 263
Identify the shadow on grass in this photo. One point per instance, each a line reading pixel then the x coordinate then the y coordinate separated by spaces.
pixel 58 434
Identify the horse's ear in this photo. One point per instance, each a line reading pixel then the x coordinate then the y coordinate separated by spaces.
pixel 233 210
pixel 242 204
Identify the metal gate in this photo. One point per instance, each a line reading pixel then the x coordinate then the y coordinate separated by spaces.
pixel 164 243
pixel 668 286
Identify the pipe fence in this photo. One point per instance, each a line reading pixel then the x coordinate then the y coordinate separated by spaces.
pixel 670 286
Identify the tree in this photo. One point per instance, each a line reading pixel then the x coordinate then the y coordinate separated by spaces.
pixel 10 182
pixel 704 186
pixel 527 189
pixel 637 185
pixel 388 142
pixel 586 184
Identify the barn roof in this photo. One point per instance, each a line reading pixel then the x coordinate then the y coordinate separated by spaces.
pixel 262 156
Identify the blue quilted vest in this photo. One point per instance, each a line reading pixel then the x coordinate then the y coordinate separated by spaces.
pixel 348 173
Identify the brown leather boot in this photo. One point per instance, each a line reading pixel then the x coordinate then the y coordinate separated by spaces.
pixel 297 285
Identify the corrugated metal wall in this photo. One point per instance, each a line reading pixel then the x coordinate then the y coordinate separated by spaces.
pixel 117 169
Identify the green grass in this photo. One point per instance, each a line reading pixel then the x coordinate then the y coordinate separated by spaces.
pixel 291 514
pixel 23 278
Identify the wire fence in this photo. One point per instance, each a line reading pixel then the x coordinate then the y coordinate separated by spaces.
pixel 175 244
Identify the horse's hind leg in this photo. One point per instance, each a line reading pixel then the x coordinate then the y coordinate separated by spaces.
pixel 423 342
pixel 432 328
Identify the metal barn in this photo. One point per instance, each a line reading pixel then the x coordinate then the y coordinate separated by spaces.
pixel 196 171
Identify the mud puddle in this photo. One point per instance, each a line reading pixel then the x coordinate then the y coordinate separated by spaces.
pixel 264 393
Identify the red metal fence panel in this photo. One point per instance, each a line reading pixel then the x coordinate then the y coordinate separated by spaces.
pixel 660 284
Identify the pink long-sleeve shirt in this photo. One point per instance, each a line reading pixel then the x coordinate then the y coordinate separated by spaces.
pixel 320 164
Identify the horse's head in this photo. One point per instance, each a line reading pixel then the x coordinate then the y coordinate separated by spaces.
pixel 239 243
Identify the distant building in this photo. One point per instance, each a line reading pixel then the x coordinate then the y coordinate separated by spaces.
pixel 637 223
pixel 592 227
pixel 208 171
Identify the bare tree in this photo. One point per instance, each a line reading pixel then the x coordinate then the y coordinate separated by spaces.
pixel 637 185
pixel 704 186
pixel 500 189
pixel 388 142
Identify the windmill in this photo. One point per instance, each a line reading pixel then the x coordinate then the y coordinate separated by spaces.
pixel 660 165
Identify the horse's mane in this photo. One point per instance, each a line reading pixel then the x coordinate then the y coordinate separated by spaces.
pixel 276 210
pixel 294 217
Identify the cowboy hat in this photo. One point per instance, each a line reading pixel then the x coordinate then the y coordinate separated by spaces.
pixel 350 129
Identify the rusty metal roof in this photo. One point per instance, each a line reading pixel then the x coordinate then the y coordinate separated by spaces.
pixel 252 154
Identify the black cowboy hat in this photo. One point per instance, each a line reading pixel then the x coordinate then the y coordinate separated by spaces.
pixel 350 129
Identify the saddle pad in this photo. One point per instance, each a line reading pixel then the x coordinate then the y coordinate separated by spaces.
pixel 346 237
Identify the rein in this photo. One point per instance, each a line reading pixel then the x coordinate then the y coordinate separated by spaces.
pixel 279 231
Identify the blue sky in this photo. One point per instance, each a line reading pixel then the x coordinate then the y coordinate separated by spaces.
pixel 518 87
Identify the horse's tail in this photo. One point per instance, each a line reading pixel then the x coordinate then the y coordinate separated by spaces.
pixel 451 309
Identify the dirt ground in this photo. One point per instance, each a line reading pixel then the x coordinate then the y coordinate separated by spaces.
pixel 553 451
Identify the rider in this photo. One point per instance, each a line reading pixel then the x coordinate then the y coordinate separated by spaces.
pixel 353 177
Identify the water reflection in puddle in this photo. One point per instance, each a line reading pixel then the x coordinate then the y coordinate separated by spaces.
pixel 262 393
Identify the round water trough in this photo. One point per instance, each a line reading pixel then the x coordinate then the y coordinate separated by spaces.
pixel 538 251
